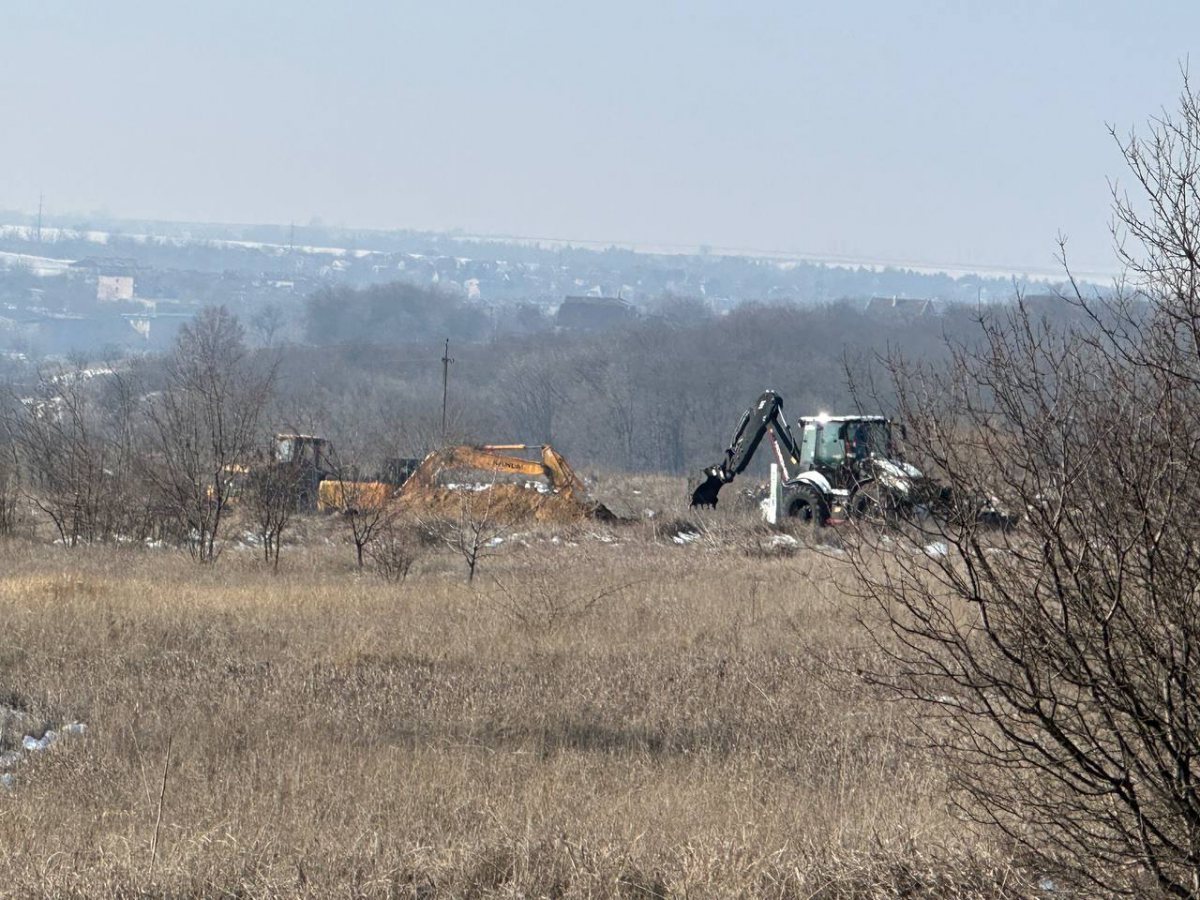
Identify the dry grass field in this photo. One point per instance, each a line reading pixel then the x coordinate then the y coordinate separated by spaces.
pixel 604 713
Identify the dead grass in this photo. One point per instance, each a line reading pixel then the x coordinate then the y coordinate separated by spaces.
pixel 686 734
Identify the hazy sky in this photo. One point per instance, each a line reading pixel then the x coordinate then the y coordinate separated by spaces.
pixel 964 132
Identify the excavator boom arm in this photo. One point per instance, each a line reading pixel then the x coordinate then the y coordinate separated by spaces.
pixel 764 419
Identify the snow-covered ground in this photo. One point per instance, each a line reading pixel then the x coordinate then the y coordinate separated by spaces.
pixel 785 261
pixel 29 233
pixel 38 265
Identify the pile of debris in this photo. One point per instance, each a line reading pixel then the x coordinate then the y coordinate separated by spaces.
pixel 501 502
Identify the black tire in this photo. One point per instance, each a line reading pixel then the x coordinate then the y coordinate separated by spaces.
pixel 806 505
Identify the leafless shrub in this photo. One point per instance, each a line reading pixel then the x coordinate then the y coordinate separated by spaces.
pixel 1055 662
pixel 58 437
pixel 394 550
pixel 272 498
pixel 367 508
pixel 479 529
pixel 542 602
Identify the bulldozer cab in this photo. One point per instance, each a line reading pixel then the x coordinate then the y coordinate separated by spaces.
pixel 301 450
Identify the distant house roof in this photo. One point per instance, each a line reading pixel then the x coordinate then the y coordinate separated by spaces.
pixel 594 313
pixel 907 306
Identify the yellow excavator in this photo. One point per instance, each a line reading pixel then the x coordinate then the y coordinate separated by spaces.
pixel 423 479
pixel 489 458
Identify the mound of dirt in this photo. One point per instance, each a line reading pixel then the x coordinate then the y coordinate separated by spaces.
pixel 502 502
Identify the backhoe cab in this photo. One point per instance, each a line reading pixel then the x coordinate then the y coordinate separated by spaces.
pixel 860 459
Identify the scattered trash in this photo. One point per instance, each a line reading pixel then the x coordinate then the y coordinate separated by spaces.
pixel 31 744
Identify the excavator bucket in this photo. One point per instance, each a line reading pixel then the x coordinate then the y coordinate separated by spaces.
pixel 706 493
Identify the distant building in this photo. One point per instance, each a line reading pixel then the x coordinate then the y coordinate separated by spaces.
pixel 902 306
pixel 111 288
pixel 594 313
pixel 113 277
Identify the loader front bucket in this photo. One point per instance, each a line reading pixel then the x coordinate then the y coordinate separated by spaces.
pixel 706 493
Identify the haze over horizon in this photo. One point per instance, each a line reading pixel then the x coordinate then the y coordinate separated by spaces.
pixel 966 134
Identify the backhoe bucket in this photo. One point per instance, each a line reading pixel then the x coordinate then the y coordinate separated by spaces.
pixel 706 493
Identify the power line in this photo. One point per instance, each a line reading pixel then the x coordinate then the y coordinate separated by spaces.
pixel 446 360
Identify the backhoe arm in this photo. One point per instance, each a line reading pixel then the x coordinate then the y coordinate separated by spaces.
pixel 764 418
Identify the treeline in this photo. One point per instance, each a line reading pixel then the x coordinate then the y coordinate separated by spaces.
pixel 660 394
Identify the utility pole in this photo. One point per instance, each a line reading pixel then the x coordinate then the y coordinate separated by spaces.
pixel 41 199
pixel 446 360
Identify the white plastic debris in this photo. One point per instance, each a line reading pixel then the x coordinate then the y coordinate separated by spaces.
pixel 937 548
pixel 686 537
pixel 30 743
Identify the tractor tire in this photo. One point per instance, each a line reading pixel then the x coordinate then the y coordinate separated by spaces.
pixel 806 505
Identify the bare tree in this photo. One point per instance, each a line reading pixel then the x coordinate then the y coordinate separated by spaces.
pixel 204 425
pixel 367 507
pixel 1057 662
pixel 268 323
pixel 272 496
pixel 58 437
pixel 479 529
pixel 531 389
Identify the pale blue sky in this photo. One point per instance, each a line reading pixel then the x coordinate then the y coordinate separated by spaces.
pixel 964 132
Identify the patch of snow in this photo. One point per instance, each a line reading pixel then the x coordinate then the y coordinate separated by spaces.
pixel 935 549
pixel 686 537
pixel 7 780
pixel 783 540
pixel 42 266
pixel 476 486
